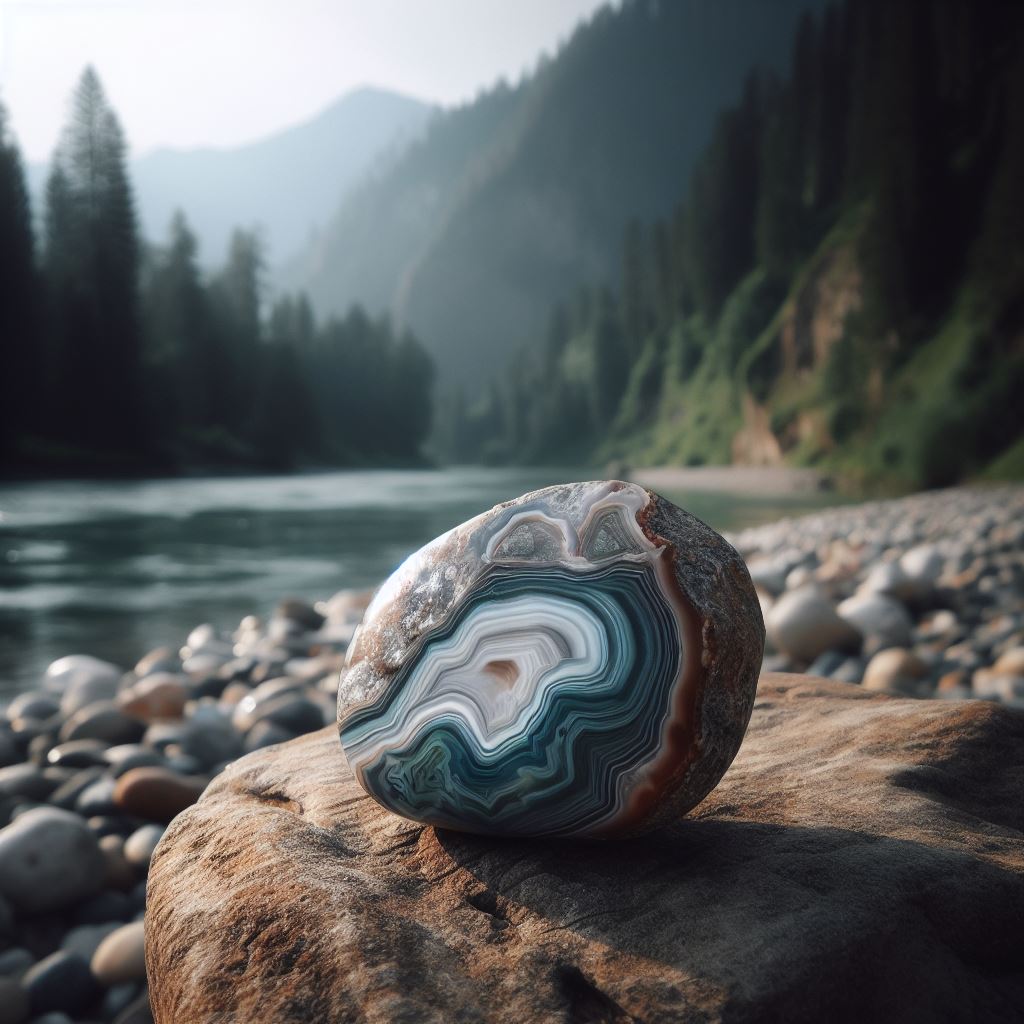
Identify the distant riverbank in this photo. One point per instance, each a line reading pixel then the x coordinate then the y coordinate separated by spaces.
pixel 768 481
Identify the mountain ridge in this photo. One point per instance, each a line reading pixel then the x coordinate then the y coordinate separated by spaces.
pixel 509 202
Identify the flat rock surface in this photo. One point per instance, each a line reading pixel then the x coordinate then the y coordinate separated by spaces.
pixel 862 859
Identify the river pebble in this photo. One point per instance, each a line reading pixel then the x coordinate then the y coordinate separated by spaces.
pixel 139 846
pixel 14 1001
pixel 157 794
pixel 49 860
pixel 61 982
pixel 939 576
pixel 120 957
pixel 94 761
pixel 102 720
pixel 804 624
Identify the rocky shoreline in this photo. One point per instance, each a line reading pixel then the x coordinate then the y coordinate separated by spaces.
pixel 96 761
pixel 922 596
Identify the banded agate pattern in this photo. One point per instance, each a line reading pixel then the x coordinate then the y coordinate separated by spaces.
pixel 536 671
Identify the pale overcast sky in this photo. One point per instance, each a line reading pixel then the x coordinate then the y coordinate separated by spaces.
pixel 220 72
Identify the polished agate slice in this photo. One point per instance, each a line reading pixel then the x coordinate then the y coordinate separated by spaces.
pixel 579 661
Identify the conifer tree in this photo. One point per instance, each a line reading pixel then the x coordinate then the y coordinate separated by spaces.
pixel 92 267
pixel 238 293
pixel 20 411
pixel 722 205
pixel 182 346
pixel 635 302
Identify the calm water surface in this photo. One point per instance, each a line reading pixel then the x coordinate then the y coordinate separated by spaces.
pixel 115 569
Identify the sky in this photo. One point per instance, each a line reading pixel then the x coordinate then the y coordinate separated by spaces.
pixel 187 73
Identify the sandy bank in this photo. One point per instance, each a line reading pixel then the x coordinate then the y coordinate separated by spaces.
pixel 754 480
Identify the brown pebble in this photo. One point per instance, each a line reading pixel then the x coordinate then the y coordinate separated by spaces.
pixel 234 693
pixel 1010 662
pixel 159 696
pixel 156 793
pixel 955 680
pixel 120 957
pixel 897 670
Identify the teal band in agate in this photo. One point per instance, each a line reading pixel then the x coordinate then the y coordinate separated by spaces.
pixel 454 743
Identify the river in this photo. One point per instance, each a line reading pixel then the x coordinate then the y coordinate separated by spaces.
pixel 115 569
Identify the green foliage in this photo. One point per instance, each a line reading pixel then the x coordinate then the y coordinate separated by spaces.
pixel 1007 466
pixel 847 267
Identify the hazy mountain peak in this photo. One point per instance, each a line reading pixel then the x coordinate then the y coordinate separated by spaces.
pixel 287 183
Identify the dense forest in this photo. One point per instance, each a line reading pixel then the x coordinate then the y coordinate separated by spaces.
pixel 122 357
pixel 823 265
pixel 842 285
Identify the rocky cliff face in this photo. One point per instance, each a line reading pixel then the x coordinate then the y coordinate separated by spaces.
pixel 814 318
pixel 793 356
pixel 862 860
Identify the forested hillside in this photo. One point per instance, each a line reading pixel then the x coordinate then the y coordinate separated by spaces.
pixel 512 201
pixel 122 358
pixel 838 287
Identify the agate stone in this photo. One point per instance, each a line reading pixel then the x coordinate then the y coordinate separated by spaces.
pixel 578 662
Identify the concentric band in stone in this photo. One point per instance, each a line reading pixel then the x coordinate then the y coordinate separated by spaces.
pixel 534 672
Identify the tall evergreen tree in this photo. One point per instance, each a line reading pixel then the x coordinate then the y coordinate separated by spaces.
pixel 780 230
pixel 182 346
pixel 611 355
pixel 722 205
pixel 92 266
pixel 238 293
pixel 20 411
pixel 635 298
pixel 828 133
pixel 997 257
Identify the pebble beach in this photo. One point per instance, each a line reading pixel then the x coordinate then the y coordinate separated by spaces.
pixel 921 596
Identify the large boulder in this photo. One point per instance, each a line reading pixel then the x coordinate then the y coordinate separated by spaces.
pixel 862 859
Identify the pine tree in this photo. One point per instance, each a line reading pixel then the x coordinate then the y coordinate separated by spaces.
pixel 997 256
pixel 237 295
pixel 780 220
pixel 635 300
pixel 92 267
pixel 611 362
pixel 830 129
pixel 182 346
pixel 20 397
pixel 721 209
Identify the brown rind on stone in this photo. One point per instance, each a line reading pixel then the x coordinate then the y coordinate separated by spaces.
pixel 714 583
pixel 863 859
